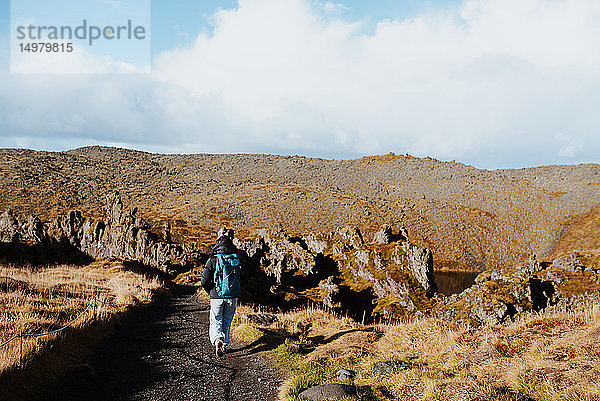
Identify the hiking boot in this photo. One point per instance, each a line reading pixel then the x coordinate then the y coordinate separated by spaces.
pixel 219 348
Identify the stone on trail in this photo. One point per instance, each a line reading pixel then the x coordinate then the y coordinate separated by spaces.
pixel 294 348
pixel 331 391
pixel 383 367
pixel 265 319
pixel 345 374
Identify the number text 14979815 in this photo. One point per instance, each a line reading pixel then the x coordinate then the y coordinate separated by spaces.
pixel 45 47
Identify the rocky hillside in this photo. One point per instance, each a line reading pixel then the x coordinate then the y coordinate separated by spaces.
pixel 385 275
pixel 469 218
pixel 120 234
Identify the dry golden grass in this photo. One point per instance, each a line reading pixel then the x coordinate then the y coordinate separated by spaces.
pixel 583 232
pixel 543 357
pixel 551 356
pixel 38 300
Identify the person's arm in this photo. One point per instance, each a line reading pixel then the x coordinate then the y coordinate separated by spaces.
pixel 243 256
pixel 207 275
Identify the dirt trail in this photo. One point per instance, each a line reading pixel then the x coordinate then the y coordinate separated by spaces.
pixel 163 353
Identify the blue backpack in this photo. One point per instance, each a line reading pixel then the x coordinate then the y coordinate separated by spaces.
pixel 227 275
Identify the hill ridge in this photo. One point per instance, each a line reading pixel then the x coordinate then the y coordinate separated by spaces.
pixel 468 217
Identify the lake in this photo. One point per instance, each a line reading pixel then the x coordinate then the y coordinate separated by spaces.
pixel 450 282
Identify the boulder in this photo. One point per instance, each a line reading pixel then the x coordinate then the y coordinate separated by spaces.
pixel 345 374
pixel 9 227
pixel 265 319
pixel 384 367
pixel 331 391
pixel 294 348
pixel 420 262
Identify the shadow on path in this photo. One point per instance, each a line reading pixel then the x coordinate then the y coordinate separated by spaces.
pixel 163 353
pixel 268 341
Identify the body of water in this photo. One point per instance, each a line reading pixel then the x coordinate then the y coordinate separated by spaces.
pixel 450 282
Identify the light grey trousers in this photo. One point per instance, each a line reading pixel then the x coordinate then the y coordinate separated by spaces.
pixel 221 316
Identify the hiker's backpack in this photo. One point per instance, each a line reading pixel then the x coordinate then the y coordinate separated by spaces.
pixel 227 275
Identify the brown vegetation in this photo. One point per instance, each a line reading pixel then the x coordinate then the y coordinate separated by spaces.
pixel 551 356
pixel 41 299
pixel 582 237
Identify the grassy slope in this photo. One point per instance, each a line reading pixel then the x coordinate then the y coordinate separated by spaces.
pixel 541 357
pixel 582 236
pixel 37 300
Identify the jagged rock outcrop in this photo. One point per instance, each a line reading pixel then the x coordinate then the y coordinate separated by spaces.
pixel 499 296
pixel 420 262
pixel 573 262
pixel 341 270
pixel 570 263
pixel 122 234
pixel 386 235
pixel 329 290
pixel 278 256
pixel 9 227
pixel 351 237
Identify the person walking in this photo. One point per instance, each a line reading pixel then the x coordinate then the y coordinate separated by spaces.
pixel 221 279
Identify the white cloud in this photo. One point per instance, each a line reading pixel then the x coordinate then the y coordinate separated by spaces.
pixel 331 7
pixel 491 82
pixel 569 145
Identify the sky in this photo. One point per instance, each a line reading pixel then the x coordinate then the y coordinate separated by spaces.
pixel 491 83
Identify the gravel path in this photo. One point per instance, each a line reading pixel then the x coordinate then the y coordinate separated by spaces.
pixel 163 353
